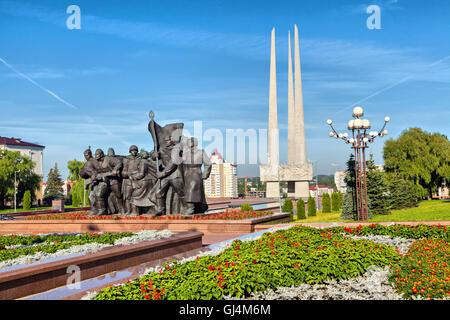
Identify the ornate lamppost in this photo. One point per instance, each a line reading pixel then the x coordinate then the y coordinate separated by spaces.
pixel 360 138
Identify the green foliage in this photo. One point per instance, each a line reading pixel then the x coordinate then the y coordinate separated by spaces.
pixel 424 270
pixel 401 193
pixel 26 178
pixel 327 180
pixel 27 200
pixel 75 167
pixel 246 207
pixel 420 157
pixel 301 209
pixel 281 259
pixel 340 198
pixel 28 245
pixel 287 206
pixel 326 203
pixel 349 206
pixel 54 184
pixel 398 230
pixel 311 207
pixel 377 189
pixel 335 202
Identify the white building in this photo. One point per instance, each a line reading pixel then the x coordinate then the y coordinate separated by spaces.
pixel 322 190
pixel 222 182
pixel 339 181
pixel 31 150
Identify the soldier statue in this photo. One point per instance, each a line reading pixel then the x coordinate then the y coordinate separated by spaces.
pixel 145 181
pixel 113 165
pixel 88 172
pixel 193 159
pixel 130 173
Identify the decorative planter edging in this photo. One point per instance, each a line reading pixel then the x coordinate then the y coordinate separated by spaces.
pixel 82 226
pixel 46 276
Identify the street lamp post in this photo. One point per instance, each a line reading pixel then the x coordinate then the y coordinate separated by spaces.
pixel 359 141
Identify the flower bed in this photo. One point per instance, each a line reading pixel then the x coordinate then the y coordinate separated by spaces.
pixel 396 230
pixel 307 263
pixel 280 259
pixel 229 214
pixel 424 271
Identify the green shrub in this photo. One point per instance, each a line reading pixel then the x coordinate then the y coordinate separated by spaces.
pixel 287 206
pixel 335 205
pixel 326 205
pixel 27 200
pixel 301 209
pixel 246 207
pixel 311 207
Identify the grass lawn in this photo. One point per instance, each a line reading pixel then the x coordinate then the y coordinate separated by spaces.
pixel 427 210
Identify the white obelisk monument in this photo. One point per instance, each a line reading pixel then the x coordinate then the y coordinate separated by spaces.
pixel 297 172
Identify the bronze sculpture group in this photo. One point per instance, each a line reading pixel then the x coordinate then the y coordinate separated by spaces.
pixel 168 180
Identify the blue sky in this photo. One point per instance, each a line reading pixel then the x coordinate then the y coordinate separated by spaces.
pixel 209 61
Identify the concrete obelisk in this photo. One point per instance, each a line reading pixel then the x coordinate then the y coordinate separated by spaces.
pixel 291 111
pixel 272 187
pixel 301 187
pixel 297 172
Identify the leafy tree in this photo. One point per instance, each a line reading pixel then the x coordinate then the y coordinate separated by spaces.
pixel 75 167
pixel 311 207
pixel 77 191
pixel 377 189
pixel 27 200
pixel 326 203
pixel 287 206
pixel 301 209
pixel 13 161
pixel 420 157
pixel 327 180
pixel 54 184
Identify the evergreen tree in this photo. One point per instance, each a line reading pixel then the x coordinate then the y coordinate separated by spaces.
pixel 349 206
pixel 54 183
pixel 349 200
pixel 377 189
pixel 287 206
pixel 326 203
pixel 311 207
pixel 402 193
pixel 340 198
pixel 27 200
pixel 301 209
